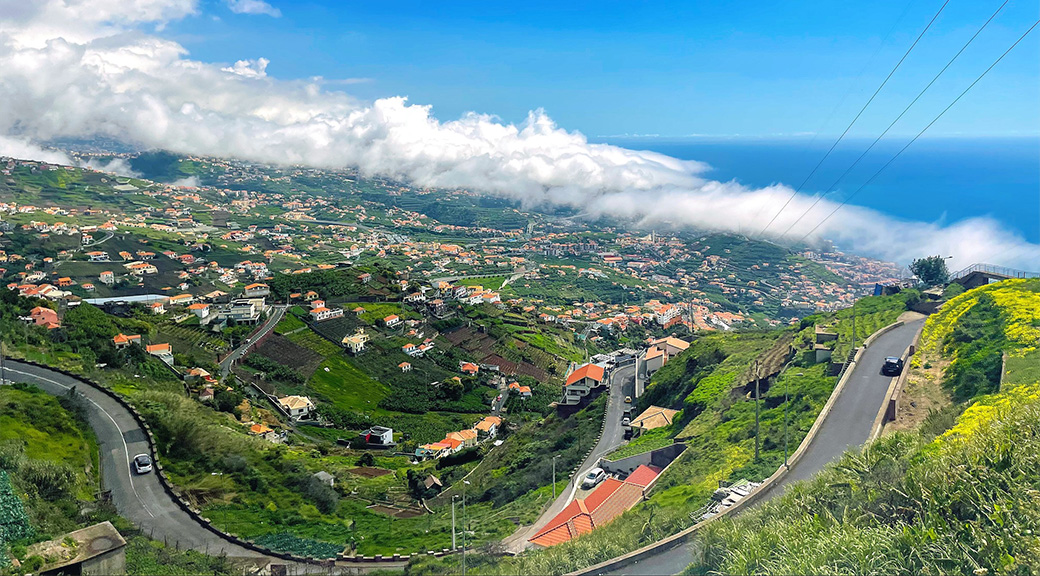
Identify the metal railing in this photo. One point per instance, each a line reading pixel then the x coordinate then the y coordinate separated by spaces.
pixel 995 270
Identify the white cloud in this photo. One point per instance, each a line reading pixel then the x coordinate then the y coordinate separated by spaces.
pixel 249 68
pixel 103 76
pixel 253 7
pixel 13 147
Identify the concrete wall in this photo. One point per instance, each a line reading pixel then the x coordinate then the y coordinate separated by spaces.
pixel 110 563
pixel 661 458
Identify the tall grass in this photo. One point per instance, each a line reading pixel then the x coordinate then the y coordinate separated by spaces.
pixel 905 505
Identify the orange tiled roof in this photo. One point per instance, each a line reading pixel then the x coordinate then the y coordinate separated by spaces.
pixel 587 371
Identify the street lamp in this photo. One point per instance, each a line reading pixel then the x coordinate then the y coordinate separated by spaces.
pixel 464 526
pixel 224 489
pixel 454 497
pixel 554 475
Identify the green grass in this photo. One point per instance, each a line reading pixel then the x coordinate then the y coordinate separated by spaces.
pixel 490 283
pixel 650 440
pixel 376 311
pixel 347 387
pixel 1022 369
pixel 37 422
pixel 288 323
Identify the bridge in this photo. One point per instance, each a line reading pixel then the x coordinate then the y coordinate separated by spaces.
pixel 981 274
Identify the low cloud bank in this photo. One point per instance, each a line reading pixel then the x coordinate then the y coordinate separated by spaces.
pixel 86 68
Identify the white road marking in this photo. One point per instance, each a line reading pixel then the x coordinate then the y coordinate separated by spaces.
pixel 126 449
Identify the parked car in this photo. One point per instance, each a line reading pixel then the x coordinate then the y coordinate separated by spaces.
pixel 626 421
pixel 142 463
pixel 893 366
pixel 594 477
pixel 628 399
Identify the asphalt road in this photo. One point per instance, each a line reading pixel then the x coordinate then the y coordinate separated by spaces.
pixel 272 320
pixel 621 383
pixel 847 425
pixel 141 498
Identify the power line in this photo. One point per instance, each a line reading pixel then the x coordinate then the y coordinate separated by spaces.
pixel 898 118
pixel 848 92
pixel 860 113
pixel 923 130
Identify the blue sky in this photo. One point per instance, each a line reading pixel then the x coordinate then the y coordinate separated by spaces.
pixel 757 69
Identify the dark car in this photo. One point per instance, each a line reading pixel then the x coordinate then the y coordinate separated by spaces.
pixel 893 366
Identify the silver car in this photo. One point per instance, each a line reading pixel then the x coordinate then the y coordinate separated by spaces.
pixel 142 463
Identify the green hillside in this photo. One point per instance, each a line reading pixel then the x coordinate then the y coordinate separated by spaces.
pixel 955 496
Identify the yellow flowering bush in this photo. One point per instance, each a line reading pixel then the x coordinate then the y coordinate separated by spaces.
pixel 1019 302
pixel 981 414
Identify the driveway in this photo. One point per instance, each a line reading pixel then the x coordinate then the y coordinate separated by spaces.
pixel 848 425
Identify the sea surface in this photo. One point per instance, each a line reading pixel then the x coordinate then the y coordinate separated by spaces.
pixel 935 179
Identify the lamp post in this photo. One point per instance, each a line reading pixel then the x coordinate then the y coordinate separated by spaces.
pixel 464 526
pixel 224 489
pixel 554 475
pixel 454 497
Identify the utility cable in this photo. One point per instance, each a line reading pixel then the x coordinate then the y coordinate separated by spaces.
pixel 849 127
pixel 923 130
pixel 898 118
pixel 848 92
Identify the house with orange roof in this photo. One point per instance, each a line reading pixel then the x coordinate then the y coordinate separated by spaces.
pixel 107 277
pixel 200 309
pixel 582 381
pixel 466 437
pixel 163 352
pixel 432 450
pixel 44 317
pixel 157 308
pixel 65 282
pixel 256 290
pixel 488 427
pixel 123 340
pixel 405 367
pixel 259 429
pixel 392 320
pixel 468 368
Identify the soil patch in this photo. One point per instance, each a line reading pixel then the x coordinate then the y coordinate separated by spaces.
pixel 369 472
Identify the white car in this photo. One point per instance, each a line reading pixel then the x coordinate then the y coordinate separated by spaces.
pixel 142 463
pixel 594 477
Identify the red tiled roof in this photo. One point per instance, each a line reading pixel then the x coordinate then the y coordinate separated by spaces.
pixel 608 501
pixel 602 492
pixel 643 475
pixel 587 371
pixel 625 497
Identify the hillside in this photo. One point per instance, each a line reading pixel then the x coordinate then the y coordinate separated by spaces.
pixel 957 495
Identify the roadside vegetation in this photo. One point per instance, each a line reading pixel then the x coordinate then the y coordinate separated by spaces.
pixel 957 495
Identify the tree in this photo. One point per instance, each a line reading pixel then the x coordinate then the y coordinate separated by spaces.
pixel 931 270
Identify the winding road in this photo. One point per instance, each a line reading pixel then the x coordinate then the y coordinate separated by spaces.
pixel 273 319
pixel 620 384
pixel 847 425
pixel 142 498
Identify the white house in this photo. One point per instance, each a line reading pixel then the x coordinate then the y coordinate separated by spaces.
pixel 379 435
pixel 355 343
pixel 322 313
pixel 296 407
pixel 256 290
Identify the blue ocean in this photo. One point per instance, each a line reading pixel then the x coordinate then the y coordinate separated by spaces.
pixel 935 179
